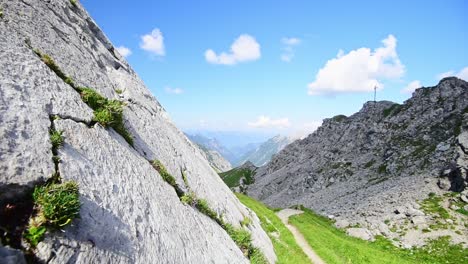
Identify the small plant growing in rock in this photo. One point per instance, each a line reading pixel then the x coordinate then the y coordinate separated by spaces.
pixel 246 221
pixel 119 91
pixel 56 138
pixel 203 207
pixel 51 64
pixel 56 205
pixel 167 177
pixel 74 2
pixel 1 12
pixel 189 198
pixel 108 113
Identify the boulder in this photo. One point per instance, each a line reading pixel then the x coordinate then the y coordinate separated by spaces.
pixel 361 233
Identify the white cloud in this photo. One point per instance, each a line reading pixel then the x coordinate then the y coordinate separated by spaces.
pixel 124 51
pixel 445 74
pixel 153 42
pixel 288 48
pixel 245 48
pixel 411 87
pixel 267 122
pixel 359 70
pixel 170 90
pixel 462 74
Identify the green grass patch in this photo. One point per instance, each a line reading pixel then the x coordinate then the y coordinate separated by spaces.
pixel 339 118
pixel 286 248
pixel 56 138
pixel 56 205
pixel 246 221
pixel 74 2
pixel 431 205
pixel 108 113
pixel 47 60
pixel 240 236
pixel 232 177
pixel 167 177
pixel 119 91
pixel 334 246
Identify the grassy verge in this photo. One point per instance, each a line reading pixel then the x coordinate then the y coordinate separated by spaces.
pixel 232 177
pixel 285 246
pixel 334 246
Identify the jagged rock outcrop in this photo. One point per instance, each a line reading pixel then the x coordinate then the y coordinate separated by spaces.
pixel 263 153
pixel 129 214
pixel 363 166
pixel 213 144
pixel 216 160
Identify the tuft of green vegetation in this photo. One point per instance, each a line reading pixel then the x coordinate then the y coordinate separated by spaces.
pixel 243 240
pixel 108 113
pixel 240 236
pixel 392 110
pixel 70 81
pixel 246 221
pixel 1 12
pixel 35 234
pixel 339 118
pixel 56 138
pixel 369 164
pixel 334 246
pixel 285 246
pixel 56 205
pixel 74 2
pixel 203 207
pixel 47 60
pixel 431 205
pixel 184 177
pixel 189 198
pixel 119 91
pixel 232 177
pixel 157 165
pixel 382 169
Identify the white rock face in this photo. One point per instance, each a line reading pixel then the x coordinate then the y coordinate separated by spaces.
pixel 361 233
pixel 129 214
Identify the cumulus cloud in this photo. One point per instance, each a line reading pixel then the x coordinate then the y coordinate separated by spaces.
pixel 462 74
pixel 170 90
pixel 411 87
pixel 124 51
pixel 359 70
pixel 153 42
pixel 267 122
pixel 245 48
pixel 288 48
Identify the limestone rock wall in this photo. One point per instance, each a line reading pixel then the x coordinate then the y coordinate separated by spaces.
pixel 386 155
pixel 129 214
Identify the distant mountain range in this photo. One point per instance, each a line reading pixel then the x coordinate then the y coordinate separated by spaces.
pixel 258 153
pixel 263 153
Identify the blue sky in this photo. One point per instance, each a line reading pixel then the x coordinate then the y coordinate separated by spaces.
pixel 269 82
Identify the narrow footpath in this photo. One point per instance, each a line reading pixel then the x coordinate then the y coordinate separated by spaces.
pixel 300 240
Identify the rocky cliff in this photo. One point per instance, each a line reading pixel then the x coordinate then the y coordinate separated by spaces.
pixel 50 50
pixel 216 160
pixel 362 167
